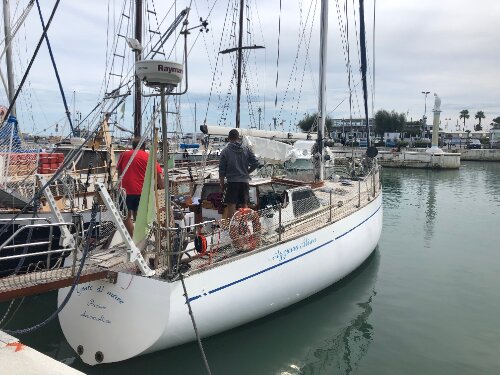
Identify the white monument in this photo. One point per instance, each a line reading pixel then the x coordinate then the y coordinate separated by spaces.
pixel 435 127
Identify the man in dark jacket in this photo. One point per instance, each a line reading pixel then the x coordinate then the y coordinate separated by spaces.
pixel 235 165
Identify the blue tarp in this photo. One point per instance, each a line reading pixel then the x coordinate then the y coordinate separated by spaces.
pixel 11 128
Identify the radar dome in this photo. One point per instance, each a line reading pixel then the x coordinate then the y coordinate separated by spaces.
pixel 159 72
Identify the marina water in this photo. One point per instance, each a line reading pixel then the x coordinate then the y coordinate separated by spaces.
pixel 426 302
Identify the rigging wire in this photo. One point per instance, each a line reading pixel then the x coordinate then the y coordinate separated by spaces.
pixel 349 71
pixel 216 64
pixel 344 40
pixel 294 71
pixel 357 48
pixel 56 71
pixel 21 84
pixel 345 46
pixel 373 62
pixel 278 59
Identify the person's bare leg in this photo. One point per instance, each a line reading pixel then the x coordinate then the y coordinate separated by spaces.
pixel 129 223
pixel 231 209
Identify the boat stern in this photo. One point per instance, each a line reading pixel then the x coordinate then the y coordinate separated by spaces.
pixel 105 322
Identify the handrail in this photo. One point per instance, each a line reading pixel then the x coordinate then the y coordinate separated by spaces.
pixel 27 219
pixel 24 227
pixel 71 249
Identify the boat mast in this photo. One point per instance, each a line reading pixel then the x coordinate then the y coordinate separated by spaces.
pixel 240 58
pixel 8 55
pixel 138 57
pixel 239 51
pixel 362 47
pixel 322 83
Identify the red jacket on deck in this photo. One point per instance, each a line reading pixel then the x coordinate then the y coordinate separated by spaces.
pixel 134 177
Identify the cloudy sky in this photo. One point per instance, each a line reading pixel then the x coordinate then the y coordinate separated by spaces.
pixel 449 47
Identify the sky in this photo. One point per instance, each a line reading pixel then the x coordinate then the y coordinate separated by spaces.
pixel 448 47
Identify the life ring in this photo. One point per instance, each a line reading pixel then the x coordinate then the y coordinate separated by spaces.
pixel 244 236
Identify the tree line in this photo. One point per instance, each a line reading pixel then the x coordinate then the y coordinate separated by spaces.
pixel 394 122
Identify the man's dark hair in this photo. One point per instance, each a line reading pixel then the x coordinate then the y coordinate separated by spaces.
pixel 136 141
pixel 233 135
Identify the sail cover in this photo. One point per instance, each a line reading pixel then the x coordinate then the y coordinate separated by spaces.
pixel 272 152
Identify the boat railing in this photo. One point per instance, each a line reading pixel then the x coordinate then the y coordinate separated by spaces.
pixel 17 241
pixel 208 243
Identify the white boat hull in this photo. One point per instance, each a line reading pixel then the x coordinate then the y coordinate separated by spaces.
pixel 138 315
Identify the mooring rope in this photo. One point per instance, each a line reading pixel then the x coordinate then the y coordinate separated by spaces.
pixel 194 326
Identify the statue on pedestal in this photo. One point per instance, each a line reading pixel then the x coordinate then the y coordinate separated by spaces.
pixel 437 103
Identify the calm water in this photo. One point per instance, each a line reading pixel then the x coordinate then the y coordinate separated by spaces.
pixel 426 302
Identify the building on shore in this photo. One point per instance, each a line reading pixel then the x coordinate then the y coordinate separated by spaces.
pixel 351 129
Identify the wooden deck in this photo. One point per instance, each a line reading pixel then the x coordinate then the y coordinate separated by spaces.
pixel 100 266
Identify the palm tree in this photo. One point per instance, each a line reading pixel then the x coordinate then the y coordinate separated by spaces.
pixel 496 123
pixel 479 115
pixel 465 115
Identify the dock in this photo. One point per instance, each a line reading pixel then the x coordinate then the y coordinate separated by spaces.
pixel 19 359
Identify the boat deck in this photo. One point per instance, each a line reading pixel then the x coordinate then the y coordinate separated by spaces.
pixel 331 201
pixel 101 265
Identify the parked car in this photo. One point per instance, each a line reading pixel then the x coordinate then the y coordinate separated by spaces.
pixel 473 143
pixel 454 142
pixel 363 142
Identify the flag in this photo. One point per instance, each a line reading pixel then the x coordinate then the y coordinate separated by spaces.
pixel 147 204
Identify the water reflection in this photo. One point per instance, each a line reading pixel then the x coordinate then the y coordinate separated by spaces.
pixel 393 188
pixel 491 179
pixel 343 353
pixel 351 333
pixel 430 209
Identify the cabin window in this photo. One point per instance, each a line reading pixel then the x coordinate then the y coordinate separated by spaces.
pixel 304 201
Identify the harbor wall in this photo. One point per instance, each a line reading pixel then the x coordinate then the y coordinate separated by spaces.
pixel 465 154
pixel 479 154
pixel 415 159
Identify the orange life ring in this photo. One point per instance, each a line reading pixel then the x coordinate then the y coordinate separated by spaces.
pixel 244 236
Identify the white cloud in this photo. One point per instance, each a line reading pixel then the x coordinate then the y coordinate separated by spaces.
pixel 448 47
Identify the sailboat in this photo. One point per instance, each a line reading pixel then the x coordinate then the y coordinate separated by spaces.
pixel 218 274
pixel 67 175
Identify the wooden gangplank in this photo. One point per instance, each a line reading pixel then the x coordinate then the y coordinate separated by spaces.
pixel 39 282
